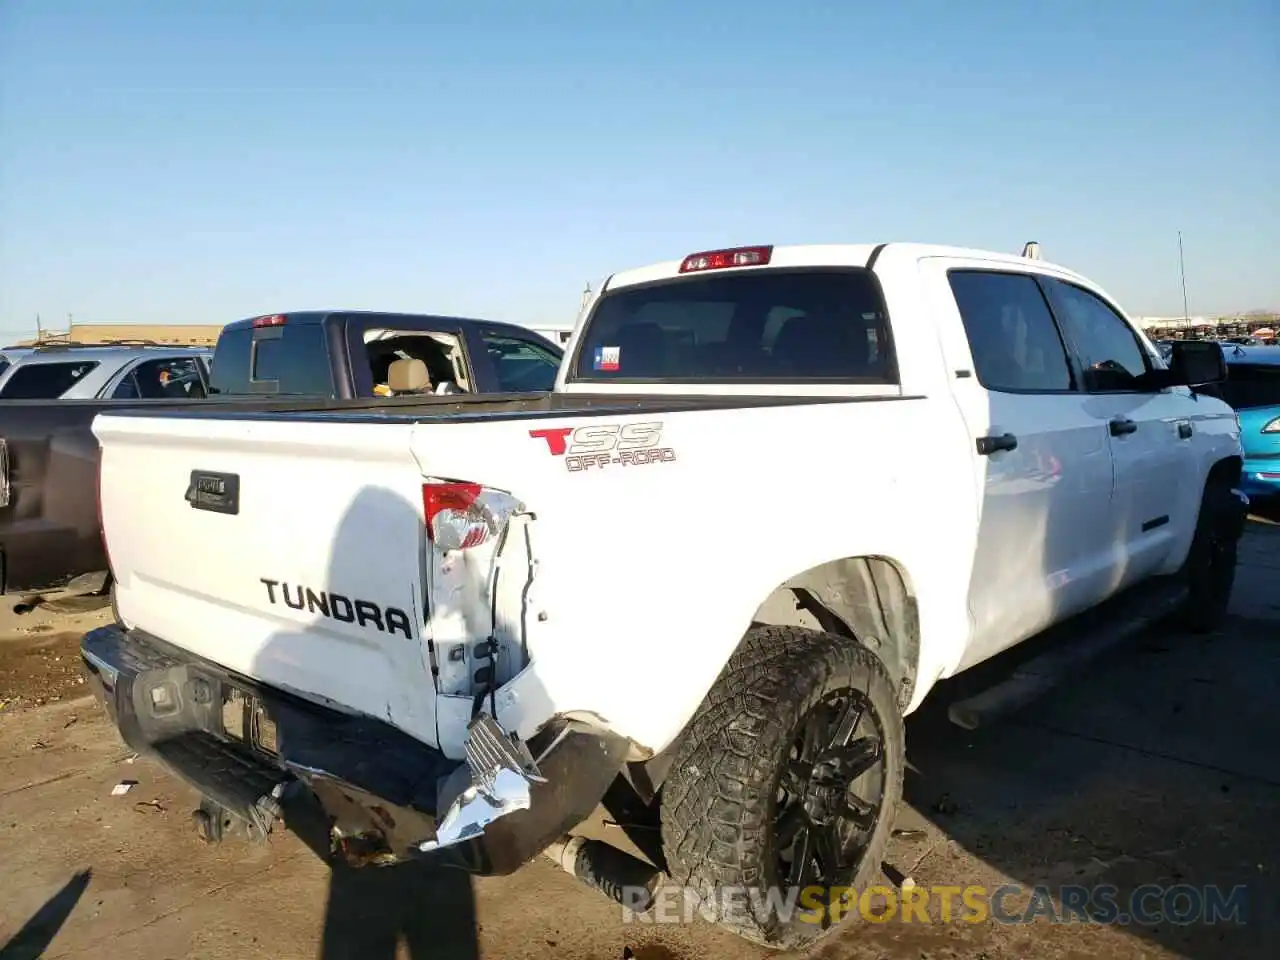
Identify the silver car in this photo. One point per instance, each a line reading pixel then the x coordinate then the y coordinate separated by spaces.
pixel 73 371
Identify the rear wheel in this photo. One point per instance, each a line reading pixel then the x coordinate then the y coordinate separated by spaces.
pixel 782 794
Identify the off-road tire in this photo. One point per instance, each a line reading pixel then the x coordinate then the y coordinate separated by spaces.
pixel 1210 568
pixel 719 801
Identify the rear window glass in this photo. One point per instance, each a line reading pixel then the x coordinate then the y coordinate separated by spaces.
pixel 772 326
pixel 521 365
pixel 1251 385
pixel 289 360
pixel 44 381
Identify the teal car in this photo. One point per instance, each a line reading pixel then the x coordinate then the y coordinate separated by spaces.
pixel 1252 387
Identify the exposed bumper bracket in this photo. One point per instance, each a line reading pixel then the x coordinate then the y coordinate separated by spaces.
pixel 502 771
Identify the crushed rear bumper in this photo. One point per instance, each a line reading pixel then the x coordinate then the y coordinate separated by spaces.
pixel 388 796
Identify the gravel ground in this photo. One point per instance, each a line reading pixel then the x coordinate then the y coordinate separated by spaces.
pixel 1160 765
pixel 40 650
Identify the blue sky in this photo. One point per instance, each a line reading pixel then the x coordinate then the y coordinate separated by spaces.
pixel 203 161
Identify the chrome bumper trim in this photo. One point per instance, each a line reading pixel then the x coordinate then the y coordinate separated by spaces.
pixel 501 773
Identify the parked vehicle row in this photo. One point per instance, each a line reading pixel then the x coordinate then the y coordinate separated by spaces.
pixel 117 371
pixel 49 526
pixel 1252 387
pixel 691 582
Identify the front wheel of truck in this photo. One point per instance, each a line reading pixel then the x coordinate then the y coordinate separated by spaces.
pixel 1210 568
pixel 779 804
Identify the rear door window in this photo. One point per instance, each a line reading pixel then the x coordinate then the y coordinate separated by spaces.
pixel 166 378
pixel 45 381
pixel 772 326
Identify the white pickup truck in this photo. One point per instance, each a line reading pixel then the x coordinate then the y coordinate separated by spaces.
pixel 776 495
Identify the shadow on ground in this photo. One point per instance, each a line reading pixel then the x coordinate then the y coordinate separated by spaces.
pixel 1159 766
pixel 36 934
pixel 429 909
pixel 426 906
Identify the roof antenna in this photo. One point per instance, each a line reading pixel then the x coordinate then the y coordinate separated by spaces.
pixel 1031 250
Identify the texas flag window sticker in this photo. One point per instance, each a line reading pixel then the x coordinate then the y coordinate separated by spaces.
pixel 608 359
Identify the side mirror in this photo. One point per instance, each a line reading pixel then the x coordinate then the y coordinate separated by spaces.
pixel 1196 363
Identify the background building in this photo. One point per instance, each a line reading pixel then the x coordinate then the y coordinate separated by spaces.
pixel 192 334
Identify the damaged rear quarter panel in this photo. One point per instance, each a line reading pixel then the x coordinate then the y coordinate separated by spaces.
pixel 648 575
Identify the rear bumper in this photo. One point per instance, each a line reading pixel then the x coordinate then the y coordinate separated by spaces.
pixel 388 796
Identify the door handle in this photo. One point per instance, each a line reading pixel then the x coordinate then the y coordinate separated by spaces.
pixel 1121 426
pixel 994 444
pixel 1185 430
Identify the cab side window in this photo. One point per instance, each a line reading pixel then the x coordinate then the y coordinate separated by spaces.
pixel 170 377
pixel 1109 350
pixel 1015 343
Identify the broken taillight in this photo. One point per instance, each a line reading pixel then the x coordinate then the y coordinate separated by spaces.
pixel 460 516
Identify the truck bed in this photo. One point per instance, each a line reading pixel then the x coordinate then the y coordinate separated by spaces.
pixel 49 529
pixel 473 408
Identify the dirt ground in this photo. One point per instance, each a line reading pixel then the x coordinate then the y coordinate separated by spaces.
pixel 1160 765
pixel 39 649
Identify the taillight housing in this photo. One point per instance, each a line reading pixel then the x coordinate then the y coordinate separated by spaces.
pixel 462 516
pixel 274 320
pixel 4 472
pixel 102 530
pixel 723 259
pixel 1272 426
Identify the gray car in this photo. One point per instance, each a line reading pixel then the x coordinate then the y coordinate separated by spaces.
pixel 10 355
pixel 72 371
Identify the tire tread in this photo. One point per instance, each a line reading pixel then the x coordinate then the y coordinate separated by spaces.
pixel 717 800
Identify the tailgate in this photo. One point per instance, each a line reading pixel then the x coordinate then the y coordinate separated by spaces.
pixel 290 552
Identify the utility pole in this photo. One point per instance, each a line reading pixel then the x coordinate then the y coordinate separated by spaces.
pixel 1182 269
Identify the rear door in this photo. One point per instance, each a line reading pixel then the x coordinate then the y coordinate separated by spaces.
pixel 179 377
pixel 1150 432
pixel 1039 459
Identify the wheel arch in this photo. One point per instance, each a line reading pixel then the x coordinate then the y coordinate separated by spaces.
pixel 1225 470
pixel 868 598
